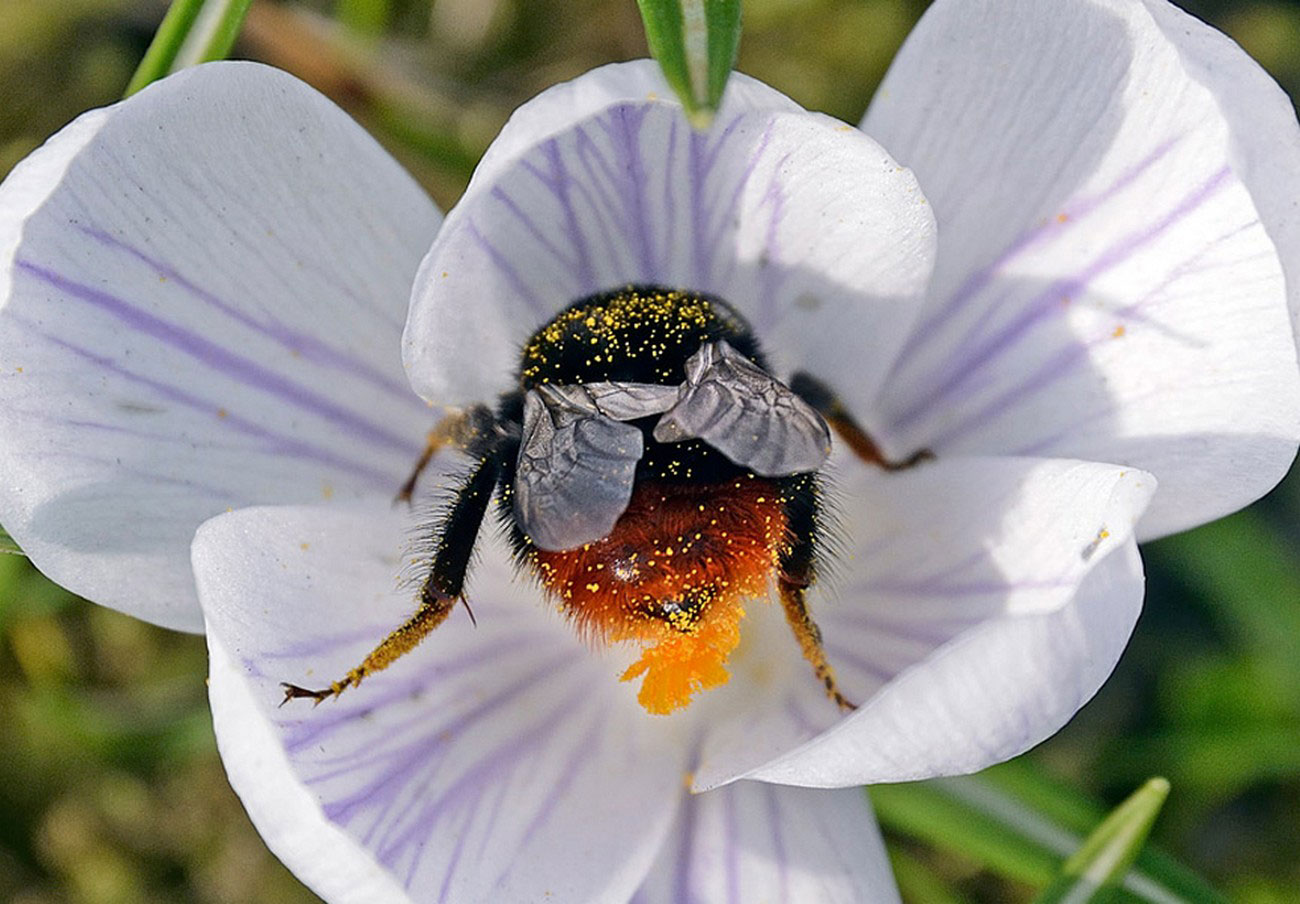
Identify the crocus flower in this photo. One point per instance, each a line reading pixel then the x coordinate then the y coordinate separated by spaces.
pixel 201 343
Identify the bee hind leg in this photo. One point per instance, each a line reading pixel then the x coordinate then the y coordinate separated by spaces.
pixel 433 611
pixel 810 638
pixel 455 535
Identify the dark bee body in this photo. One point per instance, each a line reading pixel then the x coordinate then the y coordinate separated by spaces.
pixel 654 478
pixel 646 335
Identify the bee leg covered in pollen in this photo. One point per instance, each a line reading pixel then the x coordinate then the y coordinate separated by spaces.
pixel 810 639
pixel 456 536
pixel 824 401
pixel 434 608
pixel 459 429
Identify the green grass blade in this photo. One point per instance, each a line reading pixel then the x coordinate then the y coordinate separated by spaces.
pixel 193 31
pixel 1095 871
pixel 695 42
pixel 1059 803
pixel 7 544
pixel 166 43
pixel 1024 835
pixel 214 33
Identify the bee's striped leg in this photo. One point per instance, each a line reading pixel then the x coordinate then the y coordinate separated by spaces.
pixel 810 638
pixel 435 606
pixel 827 404
pixel 456 534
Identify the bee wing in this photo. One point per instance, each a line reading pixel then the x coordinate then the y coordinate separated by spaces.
pixel 576 468
pixel 629 401
pixel 746 414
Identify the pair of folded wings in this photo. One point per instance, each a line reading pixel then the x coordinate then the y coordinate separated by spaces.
pixel 578 456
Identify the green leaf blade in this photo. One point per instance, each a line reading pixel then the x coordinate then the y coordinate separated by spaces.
pixel 1097 869
pixel 7 544
pixel 192 32
pixel 166 43
pixel 1020 825
pixel 695 43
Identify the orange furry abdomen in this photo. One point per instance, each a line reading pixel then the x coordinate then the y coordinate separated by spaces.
pixel 674 575
pixel 716 543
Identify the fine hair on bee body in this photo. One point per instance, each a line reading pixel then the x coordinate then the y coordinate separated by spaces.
pixel 652 475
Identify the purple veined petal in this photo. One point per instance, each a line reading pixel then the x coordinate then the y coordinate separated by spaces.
pixel 561 106
pixel 201 297
pixel 1115 186
pixel 986 696
pixel 938 562
pixel 498 762
pixel 815 234
pixel 753 841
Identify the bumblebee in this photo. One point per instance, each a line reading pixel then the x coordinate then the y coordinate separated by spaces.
pixel 654 476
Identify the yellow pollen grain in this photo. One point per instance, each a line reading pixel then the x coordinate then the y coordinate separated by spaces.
pixel 1118 332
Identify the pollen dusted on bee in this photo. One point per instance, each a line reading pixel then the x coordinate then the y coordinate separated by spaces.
pixel 684 603
pixel 654 476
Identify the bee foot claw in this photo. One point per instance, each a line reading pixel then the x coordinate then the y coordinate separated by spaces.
pixel 294 692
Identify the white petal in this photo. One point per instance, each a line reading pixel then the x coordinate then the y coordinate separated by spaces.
pixel 947 557
pixel 560 107
pixel 201 297
pixel 503 762
pixel 1116 192
pixel 753 841
pixel 988 695
pixel 815 234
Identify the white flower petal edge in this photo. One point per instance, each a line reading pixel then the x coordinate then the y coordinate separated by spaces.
pixel 560 107
pixel 986 697
pixel 1116 187
pixel 498 762
pixel 754 841
pixel 807 227
pixel 286 814
pixel 203 292
pixel 945 568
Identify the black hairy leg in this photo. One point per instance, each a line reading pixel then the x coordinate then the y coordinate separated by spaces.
pixel 798 570
pixel 456 535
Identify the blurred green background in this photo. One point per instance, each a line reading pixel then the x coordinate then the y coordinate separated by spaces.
pixel 110 786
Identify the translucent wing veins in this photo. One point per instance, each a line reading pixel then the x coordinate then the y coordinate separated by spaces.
pixel 746 414
pixel 578 456
pixel 577 460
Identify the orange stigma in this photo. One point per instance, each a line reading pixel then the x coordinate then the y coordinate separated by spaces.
pixel 673 576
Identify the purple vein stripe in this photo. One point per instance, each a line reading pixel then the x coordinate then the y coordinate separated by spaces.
pixel 686 851
pixel 275 443
pixel 731 837
pixel 1046 302
pixel 1073 215
pixel 234 366
pixel 775 823
pixel 310 347
pixel 624 127
pixel 1066 361
pixel 506 269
